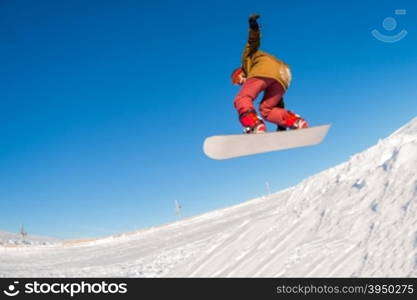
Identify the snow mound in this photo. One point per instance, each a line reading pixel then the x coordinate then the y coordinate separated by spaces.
pixel 14 239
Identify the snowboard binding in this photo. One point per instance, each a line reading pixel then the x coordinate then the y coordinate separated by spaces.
pixel 252 123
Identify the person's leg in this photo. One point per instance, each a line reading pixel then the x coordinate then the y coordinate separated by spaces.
pixel 270 107
pixel 272 111
pixel 248 92
pixel 244 103
pixel 281 104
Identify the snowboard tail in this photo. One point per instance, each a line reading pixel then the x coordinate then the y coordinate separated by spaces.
pixel 231 146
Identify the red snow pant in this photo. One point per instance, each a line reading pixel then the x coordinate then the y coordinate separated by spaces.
pixel 273 92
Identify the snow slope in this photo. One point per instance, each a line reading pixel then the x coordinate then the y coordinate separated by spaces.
pixel 357 219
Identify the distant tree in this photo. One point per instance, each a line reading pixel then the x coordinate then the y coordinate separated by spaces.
pixel 268 188
pixel 23 232
pixel 178 209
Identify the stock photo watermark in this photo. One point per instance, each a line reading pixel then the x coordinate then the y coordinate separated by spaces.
pixel 12 290
pixel 390 25
pixel 61 288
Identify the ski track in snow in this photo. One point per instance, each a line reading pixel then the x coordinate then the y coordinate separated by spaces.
pixel 357 219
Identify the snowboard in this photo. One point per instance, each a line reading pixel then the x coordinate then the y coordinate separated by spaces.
pixel 236 145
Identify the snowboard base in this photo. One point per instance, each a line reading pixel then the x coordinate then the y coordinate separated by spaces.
pixel 231 146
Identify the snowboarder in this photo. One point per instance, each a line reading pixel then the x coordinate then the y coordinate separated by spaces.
pixel 259 72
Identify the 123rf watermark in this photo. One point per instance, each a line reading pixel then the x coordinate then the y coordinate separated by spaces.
pixel 365 289
pixel 63 288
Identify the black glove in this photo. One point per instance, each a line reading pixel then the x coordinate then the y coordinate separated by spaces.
pixel 253 24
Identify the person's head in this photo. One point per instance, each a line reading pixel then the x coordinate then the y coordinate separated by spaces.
pixel 238 76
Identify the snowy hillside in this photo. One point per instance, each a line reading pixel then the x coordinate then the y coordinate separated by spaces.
pixel 358 219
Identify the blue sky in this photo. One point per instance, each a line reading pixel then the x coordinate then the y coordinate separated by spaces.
pixel 104 105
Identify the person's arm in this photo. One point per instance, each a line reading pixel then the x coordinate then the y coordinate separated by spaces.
pixel 254 40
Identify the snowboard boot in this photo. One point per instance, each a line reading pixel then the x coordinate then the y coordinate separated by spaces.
pixel 294 121
pixel 252 123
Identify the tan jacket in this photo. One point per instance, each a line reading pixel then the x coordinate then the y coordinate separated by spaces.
pixel 257 63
